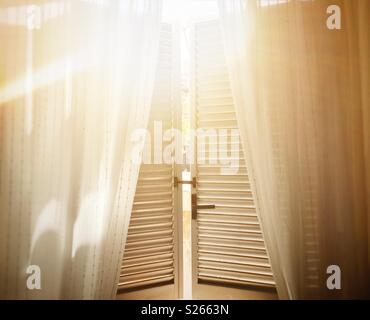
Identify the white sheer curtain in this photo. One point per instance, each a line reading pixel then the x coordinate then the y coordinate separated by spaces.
pixel 302 98
pixel 76 79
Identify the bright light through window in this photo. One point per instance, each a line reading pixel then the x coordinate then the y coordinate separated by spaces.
pixel 184 13
pixel 187 11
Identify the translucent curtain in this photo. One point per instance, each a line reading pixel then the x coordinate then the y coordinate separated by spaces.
pixel 76 79
pixel 302 97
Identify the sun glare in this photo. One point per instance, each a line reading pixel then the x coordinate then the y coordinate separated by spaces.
pixel 187 11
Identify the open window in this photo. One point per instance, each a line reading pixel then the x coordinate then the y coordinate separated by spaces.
pixel 194 225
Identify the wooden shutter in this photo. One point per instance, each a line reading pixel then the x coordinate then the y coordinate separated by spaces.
pixel 150 251
pixel 230 244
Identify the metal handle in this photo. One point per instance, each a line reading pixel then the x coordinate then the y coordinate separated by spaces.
pixel 205 206
pixel 195 206
pixel 193 182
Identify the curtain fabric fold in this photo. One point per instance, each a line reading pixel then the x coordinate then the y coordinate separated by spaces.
pixel 302 98
pixel 76 79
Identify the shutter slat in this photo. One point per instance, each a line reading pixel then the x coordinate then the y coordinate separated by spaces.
pixel 146 260
pixel 163 266
pixel 158 234
pixel 138 228
pixel 232 268
pixel 148 242
pixel 145 282
pixel 152 210
pixel 146 219
pixel 139 251
pixel 219 235
pixel 215 277
pixel 236 252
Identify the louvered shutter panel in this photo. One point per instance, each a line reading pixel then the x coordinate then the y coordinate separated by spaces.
pixel 149 256
pixel 230 245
